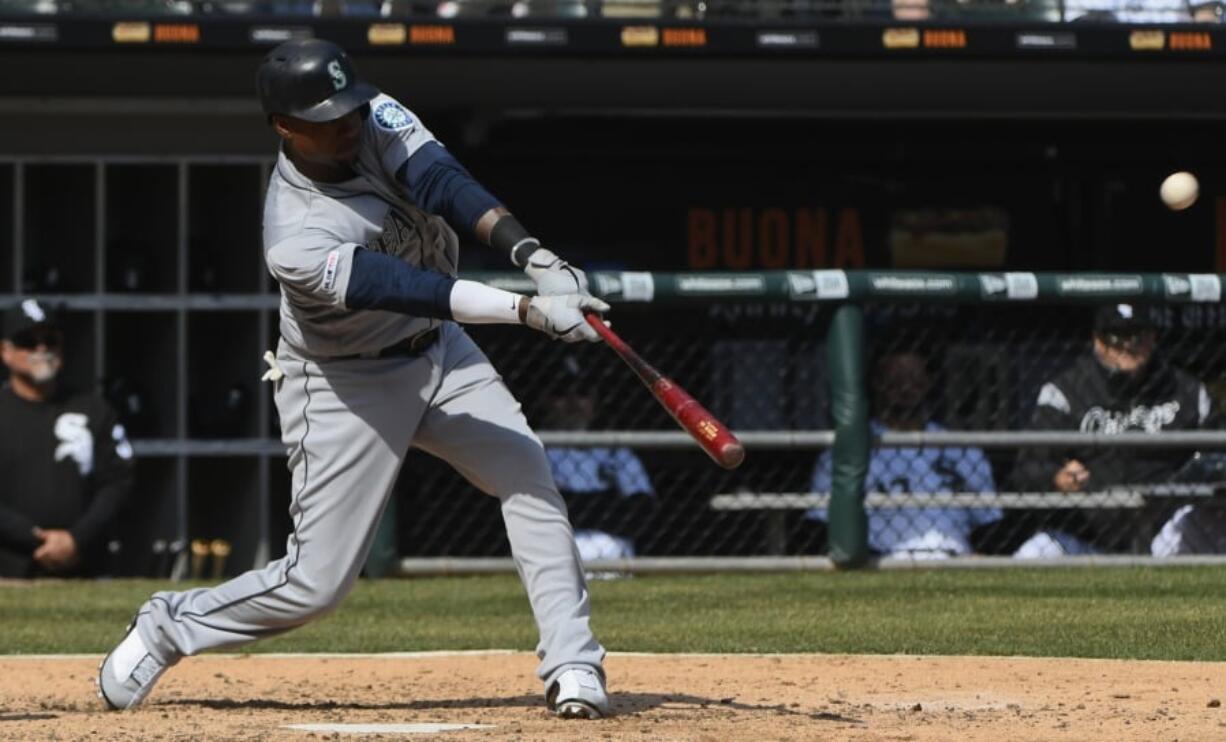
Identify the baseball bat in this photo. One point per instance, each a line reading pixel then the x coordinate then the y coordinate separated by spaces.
pixel 200 555
pixel 220 549
pixel 714 437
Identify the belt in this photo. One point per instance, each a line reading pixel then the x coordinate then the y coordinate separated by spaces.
pixel 411 346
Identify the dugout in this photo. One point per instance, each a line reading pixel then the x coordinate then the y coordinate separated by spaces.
pixel 130 176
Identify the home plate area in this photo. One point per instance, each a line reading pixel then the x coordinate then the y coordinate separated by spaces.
pixel 496 696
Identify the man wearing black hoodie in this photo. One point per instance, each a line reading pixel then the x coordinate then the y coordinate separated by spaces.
pixel 1120 386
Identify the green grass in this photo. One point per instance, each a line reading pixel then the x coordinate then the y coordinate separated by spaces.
pixel 1151 613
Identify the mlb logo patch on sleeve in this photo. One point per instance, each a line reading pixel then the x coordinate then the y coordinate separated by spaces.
pixel 329 281
pixel 392 116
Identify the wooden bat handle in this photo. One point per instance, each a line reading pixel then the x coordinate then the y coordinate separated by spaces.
pixel 714 437
pixel 645 370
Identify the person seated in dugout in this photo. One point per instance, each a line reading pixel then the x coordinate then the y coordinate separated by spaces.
pixel 900 389
pixel 1125 11
pixel 1120 386
pixel 1205 12
pixel 608 493
pixel 65 461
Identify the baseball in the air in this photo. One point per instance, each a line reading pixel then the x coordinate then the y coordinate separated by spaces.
pixel 1179 190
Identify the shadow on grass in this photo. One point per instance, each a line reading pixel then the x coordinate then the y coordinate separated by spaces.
pixel 623 704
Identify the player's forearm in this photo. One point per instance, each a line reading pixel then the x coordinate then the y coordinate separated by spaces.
pixel 560 317
pixel 438 183
pixel 16 531
pixel 1035 472
pixel 92 525
pixel 114 480
pixel 484 227
pixel 503 232
pixel 379 281
pixel 475 303
pixel 552 275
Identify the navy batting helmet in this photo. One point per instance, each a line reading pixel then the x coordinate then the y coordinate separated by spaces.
pixel 312 80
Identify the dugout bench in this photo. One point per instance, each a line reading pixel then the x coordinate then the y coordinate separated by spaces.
pixel 1153 500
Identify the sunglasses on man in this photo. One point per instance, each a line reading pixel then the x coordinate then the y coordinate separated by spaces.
pixel 1126 339
pixel 32 339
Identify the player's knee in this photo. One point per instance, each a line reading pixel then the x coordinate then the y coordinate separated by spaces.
pixel 315 598
pixel 541 489
pixel 541 505
pixel 532 473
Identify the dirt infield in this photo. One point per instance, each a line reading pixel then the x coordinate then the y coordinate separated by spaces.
pixel 691 697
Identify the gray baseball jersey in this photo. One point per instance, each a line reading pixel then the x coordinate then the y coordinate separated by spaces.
pixel 311 230
pixel 348 423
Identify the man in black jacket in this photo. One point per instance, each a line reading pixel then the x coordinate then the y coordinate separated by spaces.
pixel 1120 386
pixel 65 462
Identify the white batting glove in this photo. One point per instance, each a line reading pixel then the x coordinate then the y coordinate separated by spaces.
pixel 553 276
pixel 561 317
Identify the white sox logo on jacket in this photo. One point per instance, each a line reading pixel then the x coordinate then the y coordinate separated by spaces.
pixel 1150 419
pixel 1089 398
pixel 76 441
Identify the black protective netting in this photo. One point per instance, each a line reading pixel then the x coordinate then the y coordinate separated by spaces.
pixel 760 367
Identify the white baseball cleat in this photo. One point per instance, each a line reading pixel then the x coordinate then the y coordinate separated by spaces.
pixel 128 673
pixel 578 693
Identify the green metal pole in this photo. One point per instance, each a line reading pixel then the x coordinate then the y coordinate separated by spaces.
pixel 845 362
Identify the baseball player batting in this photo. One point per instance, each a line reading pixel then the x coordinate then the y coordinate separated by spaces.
pixel 374 360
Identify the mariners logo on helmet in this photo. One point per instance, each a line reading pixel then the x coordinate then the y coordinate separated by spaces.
pixel 339 80
pixel 391 116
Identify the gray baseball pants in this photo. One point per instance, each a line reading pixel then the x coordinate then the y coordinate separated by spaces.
pixel 348 425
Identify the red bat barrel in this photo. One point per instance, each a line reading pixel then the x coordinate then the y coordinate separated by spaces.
pixel 714 437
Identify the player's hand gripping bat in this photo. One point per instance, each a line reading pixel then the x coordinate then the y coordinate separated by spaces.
pixel 714 437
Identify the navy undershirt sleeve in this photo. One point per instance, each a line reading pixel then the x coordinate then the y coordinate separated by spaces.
pixel 378 281
pixel 439 184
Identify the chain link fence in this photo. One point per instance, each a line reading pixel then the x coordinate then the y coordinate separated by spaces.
pixel 757 367
pixel 950 386
pixel 1120 368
